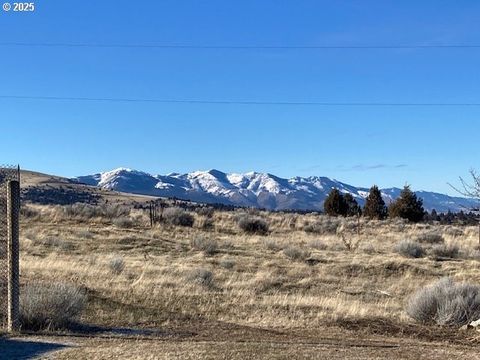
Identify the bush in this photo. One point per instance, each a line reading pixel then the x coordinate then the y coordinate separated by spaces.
pixel 295 253
pixel 253 225
pixel 54 242
pixel 87 211
pixel 430 238
pixel 318 245
pixel 28 212
pixel 445 303
pixel 208 246
pixel 445 251
pixel 325 226
pixel 453 231
pixel 369 249
pixel 201 277
pixel 208 224
pixel 206 211
pixel 123 222
pixel 85 234
pixel 178 216
pixel 50 306
pixel 272 245
pixel 227 263
pixel 117 265
pixel 410 249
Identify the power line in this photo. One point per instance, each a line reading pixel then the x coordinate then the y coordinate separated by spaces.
pixel 241 47
pixel 241 102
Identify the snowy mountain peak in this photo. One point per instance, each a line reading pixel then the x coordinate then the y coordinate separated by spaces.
pixel 253 189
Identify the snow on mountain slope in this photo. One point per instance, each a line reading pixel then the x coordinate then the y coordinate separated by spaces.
pixel 253 189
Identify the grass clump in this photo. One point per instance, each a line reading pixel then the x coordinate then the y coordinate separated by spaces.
pixel 430 238
pixel 178 216
pixel 208 224
pixel 56 243
pixel 50 306
pixel 295 253
pixel 272 245
pixel 324 226
pixel 318 245
pixel 201 277
pixel 206 211
pixel 445 251
pixel 208 246
pixel 29 212
pixel 85 234
pixel 410 249
pixel 445 303
pixel 123 222
pixel 253 225
pixel 228 263
pixel 116 265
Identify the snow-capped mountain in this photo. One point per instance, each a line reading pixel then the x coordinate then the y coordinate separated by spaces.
pixel 253 189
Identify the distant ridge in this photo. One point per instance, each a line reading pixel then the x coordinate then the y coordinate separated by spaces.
pixel 254 189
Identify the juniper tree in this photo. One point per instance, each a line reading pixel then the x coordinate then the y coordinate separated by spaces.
pixel 335 204
pixel 407 206
pixel 353 209
pixel 375 207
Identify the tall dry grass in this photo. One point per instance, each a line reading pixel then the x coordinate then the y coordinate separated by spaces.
pixel 290 277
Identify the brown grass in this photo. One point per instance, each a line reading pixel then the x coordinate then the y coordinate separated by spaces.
pixel 250 281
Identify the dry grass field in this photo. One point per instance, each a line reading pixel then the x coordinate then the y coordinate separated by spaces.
pixel 312 287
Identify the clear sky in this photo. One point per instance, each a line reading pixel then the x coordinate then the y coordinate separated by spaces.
pixel 361 145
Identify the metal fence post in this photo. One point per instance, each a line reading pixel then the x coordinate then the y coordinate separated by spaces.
pixel 13 215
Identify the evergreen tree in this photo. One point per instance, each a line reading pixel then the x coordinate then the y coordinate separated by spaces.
pixel 335 204
pixel 407 206
pixel 375 207
pixel 353 209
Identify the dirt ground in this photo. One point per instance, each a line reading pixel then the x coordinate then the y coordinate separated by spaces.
pixel 226 341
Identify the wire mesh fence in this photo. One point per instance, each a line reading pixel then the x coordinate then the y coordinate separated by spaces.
pixel 8 173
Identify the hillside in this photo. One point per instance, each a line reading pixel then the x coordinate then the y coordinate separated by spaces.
pixel 48 189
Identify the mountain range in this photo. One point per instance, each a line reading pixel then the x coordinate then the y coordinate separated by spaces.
pixel 254 189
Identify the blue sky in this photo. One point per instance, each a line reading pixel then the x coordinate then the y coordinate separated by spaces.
pixel 424 146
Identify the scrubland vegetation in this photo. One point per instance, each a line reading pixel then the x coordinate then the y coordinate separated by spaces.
pixel 105 266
